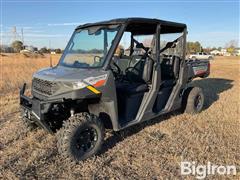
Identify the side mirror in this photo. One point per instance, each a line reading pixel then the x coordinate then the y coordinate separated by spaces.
pixel 97 59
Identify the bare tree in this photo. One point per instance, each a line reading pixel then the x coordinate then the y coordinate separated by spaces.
pixel 231 46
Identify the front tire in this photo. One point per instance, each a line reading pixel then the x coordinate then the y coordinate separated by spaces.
pixel 81 137
pixel 193 100
pixel 30 126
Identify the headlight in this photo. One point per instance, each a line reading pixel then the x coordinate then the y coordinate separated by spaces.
pixel 78 85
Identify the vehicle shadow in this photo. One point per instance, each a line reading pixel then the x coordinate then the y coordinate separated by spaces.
pixel 212 87
pixel 119 136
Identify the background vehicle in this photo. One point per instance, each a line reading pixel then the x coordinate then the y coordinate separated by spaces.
pixel 201 56
pixel 93 87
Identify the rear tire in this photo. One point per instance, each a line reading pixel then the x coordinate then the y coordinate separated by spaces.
pixel 81 137
pixel 193 100
pixel 30 126
pixel 204 76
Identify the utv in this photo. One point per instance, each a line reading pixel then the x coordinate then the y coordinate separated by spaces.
pixel 113 74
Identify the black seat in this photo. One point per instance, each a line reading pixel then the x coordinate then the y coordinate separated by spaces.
pixel 169 74
pixel 168 83
pixel 170 71
pixel 141 83
pixel 133 88
pixel 130 94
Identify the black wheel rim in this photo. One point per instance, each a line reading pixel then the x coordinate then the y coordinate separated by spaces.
pixel 198 102
pixel 86 140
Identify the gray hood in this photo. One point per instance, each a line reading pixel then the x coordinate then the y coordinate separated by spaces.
pixel 60 73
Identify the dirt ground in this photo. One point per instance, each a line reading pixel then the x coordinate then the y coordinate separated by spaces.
pixel 153 149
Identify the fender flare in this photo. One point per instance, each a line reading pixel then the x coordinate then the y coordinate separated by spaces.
pixel 107 112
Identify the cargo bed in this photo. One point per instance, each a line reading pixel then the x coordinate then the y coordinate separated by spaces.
pixel 198 68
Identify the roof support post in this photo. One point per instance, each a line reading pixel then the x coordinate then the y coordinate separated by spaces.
pixel 132 45
pixel 157 46
pixel 105 45
pixel 114 46
pixel 184 42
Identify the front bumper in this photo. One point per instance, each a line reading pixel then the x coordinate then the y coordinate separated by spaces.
pixel 34 109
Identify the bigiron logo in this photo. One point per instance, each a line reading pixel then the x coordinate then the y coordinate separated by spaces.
pixel 202 171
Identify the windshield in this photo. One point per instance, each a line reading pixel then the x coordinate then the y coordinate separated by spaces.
pixel 89 47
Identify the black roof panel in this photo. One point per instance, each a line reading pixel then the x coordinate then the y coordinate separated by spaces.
pixel 134 20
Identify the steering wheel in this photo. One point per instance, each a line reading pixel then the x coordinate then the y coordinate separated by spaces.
pixel 116 71
pixel 131 76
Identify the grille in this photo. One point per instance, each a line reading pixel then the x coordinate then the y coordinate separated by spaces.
pixel 44 87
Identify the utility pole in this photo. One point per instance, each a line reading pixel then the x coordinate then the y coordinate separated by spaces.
pixel 22 36
pixel 14 35
pixel 14 32
pixel 50 53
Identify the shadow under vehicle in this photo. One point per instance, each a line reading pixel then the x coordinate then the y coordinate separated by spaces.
pixel 113 74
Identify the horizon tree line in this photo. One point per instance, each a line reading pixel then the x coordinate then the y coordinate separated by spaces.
pixel 192 47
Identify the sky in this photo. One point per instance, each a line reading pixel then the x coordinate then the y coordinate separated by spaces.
pixel 50 23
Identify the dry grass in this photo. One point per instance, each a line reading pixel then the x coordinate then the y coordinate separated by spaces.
pixel 152 149
pixel 85 58
pixel 17 69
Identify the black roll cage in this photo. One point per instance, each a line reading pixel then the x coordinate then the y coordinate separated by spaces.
pixel 158 49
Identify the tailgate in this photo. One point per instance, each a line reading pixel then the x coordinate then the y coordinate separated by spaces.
pixel 198 68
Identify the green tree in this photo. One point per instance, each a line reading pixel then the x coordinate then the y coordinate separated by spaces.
pixel 198 46
pixel 44 50
pixel 58 51
pixel 17 45
pixel 193 47
pixel 230 50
